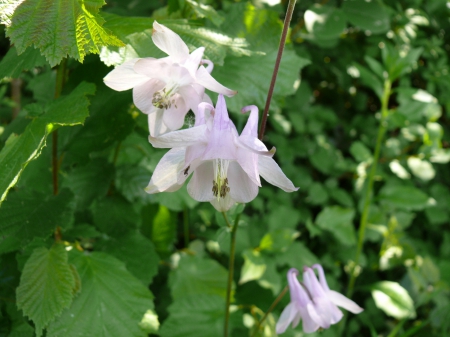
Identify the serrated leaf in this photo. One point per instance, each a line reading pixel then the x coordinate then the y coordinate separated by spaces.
pixel 393 299
pixel 339 221
pixel 20 150
pixel 251 76
pixel 195 275
pixel 79 28
pixel 25 216
pixel 137 34
pixel 111 303
pixel 137 252
pixel 12 64
pixel 46 286
pixel 200 315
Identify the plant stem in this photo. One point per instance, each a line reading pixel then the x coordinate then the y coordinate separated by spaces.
pixel 273 305
pixel 367 197
pixel 230 270
pixel 287 20
pixel 60 73
pixel 186 227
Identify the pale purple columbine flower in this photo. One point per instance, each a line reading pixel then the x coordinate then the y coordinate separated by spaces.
pixel 167 88
pixel 319 308
pixel 225 166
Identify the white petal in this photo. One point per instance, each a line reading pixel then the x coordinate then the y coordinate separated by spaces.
pixel 180 138
pixel 309 326
pixel 174 116
pixel 317 315
pixel 200 186
pixel 143 95
pixel 271 172
pixel 193 61
pixel 223 204
pixel 124 77
pixel 169 42
pixel 205 79
pixel 165 175
pixel 251 128
pixel 155 123
pixel 286 317
pixel 191 97
pixel 242 188
pixel 344 302
pixel 249 163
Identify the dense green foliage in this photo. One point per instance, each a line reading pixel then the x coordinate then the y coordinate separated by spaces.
pixel 96 255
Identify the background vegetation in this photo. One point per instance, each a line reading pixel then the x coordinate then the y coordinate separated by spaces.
pixel 97 256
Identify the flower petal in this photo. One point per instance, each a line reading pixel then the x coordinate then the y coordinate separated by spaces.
pixel 143 95
pixel 286 317
pixel 200 186
pixel 191 97
pixel 251 128
pixel 223 204
pixel 271 172
pixel 210 65
pixel 205 79
pixel 165 175
pixel 317 315
pixel 193 61
pixel 309 325
pixel 249 163
pixel 242 188
pixel 124 77
pixel 155 123
pixel 180 138
pixel 169 42
pixel 174 116
pixel 344 302
pixel 322 279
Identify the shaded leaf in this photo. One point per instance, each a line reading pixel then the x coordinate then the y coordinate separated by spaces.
pixel 12 64
pixel 339 221
pixel 46 286
pixel 403 197
pixel 371 16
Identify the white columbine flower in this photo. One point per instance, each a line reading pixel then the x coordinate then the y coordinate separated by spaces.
pixel 167 88
pixel 225 167
pixel 314 302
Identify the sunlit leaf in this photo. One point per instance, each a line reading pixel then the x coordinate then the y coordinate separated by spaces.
pixel 46 286
pixel 393 299
pixel 79 28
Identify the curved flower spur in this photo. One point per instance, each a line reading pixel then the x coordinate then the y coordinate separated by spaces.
pixel 165 89
pixel 226 167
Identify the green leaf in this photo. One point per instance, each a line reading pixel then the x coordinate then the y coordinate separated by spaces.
pixel 111 303
pixel 195 275
pixel 131 181
pixel 25 216
pixel 137 34
pixel 79 28
pixel 200 315
pixel 46 286
pixel 324 22
pixel 12 64
pixel 250 76
pixel 20 150
pixel 339 221
pixel 393 299
pixel 399 62
pixel 297 256
pixel 137 252
pixel 360 151
pixel 367 15
pixel 403 197
pixel 205 11
pixel 367 77
pixel 159 226
pixel 254 266
pixel 278 240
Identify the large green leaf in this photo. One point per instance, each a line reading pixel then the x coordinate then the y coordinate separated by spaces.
pixel 403 197
pixel 111 303
pixel 26 215
pixel 12 64
pixel 137 252
pixel 393 299
pixel 46 286
pixel 137 34
pixel 20 150
pixel 367 15
pixel 159 226
pixel 200 315
pixel 339 221
pixel 195 275
pixel 58 28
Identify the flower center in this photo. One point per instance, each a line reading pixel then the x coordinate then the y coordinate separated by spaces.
pixel 220 183
pixel 163 99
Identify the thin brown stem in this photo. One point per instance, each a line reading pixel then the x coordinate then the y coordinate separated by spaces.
pixel 287 20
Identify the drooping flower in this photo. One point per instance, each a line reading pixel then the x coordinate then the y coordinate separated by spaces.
pixel 314 302
pixel 297 309
pixel 167 88
pixel 225 167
